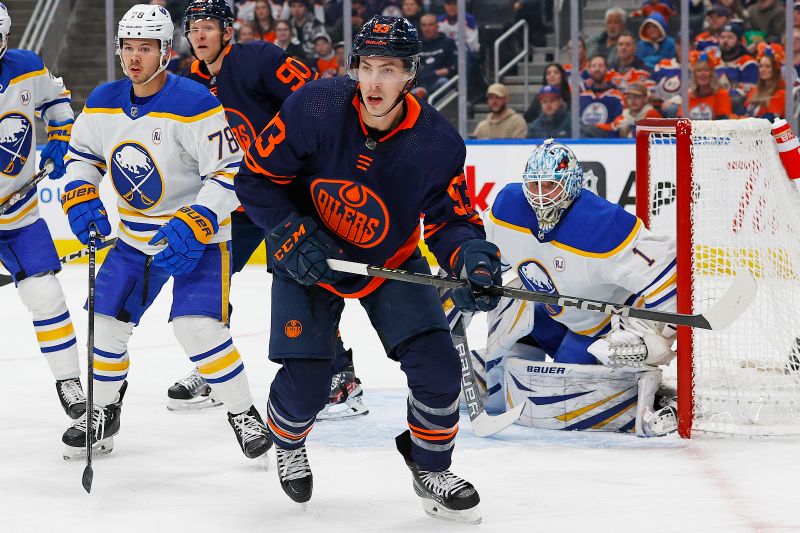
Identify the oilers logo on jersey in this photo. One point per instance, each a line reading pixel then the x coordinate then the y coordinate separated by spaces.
pixel 351 210
pixel 136 176
pixel 16 139
pixel 594 113
pixel 535 277
pixel 241 127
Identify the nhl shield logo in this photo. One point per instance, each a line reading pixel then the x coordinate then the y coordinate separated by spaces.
pixel 135 176
pixel 535 277
pixel 16 140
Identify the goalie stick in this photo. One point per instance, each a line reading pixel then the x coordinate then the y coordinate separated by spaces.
pixel 719 316
pixel 6 279
pixel 25 189
pixel 483 425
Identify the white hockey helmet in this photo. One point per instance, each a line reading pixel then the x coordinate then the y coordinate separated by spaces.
pixel 5 29
pixel 144 21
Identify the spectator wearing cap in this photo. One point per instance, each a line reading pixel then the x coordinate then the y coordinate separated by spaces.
pixel 554 120
pixel 737 70
pixel 654 43
pixel 637 107
pixel 600 102
pixel 768 98
pixel 502 122
pixel 438 60
pixel 629 67
pixel 304 25
pixel 553 74
pixel 605 43
pixel 324 57
pixel 718 16
pixel 768 16
pixel 707 100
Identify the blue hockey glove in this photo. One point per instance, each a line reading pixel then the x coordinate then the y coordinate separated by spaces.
pixel 58 134
pixel 187 233
pixel 83 207
pixel 477 261
pixel 300 250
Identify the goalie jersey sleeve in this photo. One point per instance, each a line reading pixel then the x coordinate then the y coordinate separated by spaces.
pixel 172 150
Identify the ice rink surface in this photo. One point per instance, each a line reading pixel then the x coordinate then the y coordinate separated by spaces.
pixel 185 473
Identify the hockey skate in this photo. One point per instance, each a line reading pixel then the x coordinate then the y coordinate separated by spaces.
pixel 346 399
pixel 444 494
pixel 294 473
pixel 662 421
pixel 252 435
pixel 105 424
pixel 191 393
pixel 70 394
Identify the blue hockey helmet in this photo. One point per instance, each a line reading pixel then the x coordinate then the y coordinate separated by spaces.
pixel 552 180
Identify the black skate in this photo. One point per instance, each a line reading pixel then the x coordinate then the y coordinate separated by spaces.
pixel 346 399
pixel 444 494
pixel 252 434
pixel 294 473
pixel 105 424
pixel 70 393
pixel 191 393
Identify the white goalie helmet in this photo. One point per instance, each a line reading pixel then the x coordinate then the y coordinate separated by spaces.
pixel 5 29
pixel 144 21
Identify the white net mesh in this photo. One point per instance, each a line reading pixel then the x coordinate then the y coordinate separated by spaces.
pixel 745 214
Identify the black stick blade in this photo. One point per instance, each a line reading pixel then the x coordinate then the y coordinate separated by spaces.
pixel 88 476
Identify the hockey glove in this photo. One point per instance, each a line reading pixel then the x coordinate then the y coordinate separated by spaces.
pixel 635 344
pixel 187 233
pixel 83 207
pixel 58 134
pixel 477 261
pixel 300 250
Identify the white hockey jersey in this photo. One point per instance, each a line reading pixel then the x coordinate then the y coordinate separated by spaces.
pixel 171 150
pixel 598 250
pixel 27 89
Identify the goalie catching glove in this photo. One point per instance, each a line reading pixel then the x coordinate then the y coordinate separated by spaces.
pixel 635 343
pixel 301 251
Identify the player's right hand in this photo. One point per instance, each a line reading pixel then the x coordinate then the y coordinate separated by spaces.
pixel 300 250
pixel 83 207
pixel 477 261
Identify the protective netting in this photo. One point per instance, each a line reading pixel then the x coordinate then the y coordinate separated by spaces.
pixel 745 214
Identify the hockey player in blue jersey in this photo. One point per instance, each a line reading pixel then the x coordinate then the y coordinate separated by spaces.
pixel 28 89
pixel 165 144
pixel 556 236
pixel 252 81
pixel 345 170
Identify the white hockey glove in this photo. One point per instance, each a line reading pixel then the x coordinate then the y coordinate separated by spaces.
pixel 636 344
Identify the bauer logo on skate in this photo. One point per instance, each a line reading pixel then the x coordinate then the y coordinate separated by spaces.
pixel 536 278
pixel 293 329
pixel 16 138
pixel 351 210
pixel 135 176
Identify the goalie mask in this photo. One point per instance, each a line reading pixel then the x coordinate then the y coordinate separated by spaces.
pixel 146 22
pixel 5 29
pixel 551 181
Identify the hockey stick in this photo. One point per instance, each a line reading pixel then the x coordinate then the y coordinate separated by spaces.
pixel 5 279
pixel 483 425
pixel 719 316
pixel 25 189
pixel 88 473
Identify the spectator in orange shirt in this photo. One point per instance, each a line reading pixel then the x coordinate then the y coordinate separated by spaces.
pixel 326 63
pixel 263 22
pixel 768 98
pixel 707 99
pixel 637 107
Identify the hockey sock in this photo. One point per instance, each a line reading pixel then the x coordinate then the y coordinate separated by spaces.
pixel 110 357
pixel 431 365
pixel 209 345
pixel 298 392
pixel 43 297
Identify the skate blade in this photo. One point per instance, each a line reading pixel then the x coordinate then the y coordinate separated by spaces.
pixel 437 510
pixel 342 411
pixel 263 460
pixel 101 447
pixel 195 404
pixel 303 506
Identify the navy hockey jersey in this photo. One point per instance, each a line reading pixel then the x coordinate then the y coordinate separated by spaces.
pixel 316 158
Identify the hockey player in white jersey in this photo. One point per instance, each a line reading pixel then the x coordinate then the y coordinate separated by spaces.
pixel 558 237
pixel 28 89
pixel 171 157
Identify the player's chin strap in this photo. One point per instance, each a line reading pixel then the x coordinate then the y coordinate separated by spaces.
pixel 401 97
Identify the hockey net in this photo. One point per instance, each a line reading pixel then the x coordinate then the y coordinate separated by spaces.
pixel 720 188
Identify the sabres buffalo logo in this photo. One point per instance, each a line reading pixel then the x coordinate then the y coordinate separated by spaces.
pixel 535 277
pixel 16 140
pixel 241 127
pixel 351 210
pixel 135 176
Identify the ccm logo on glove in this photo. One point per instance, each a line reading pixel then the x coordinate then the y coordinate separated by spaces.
pixel 289 243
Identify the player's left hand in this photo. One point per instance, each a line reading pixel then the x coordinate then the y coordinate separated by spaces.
pixel 301 250
pixel 187 234
pixel 635 344
pixel 477 261
pixel 58 134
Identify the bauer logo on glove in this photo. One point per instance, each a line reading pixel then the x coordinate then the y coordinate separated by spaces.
pixel 201 225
